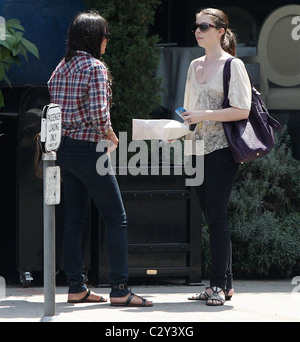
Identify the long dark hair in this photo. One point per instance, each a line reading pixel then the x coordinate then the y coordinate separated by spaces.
pixel 220 19
pixel 86 33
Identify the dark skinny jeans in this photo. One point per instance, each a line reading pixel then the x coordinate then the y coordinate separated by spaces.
pixel 81 182
pixel 219 174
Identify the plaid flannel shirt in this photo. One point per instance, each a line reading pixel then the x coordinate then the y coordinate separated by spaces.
pixel 81 88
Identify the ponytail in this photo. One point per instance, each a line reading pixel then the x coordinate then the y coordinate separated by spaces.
pixel 228 42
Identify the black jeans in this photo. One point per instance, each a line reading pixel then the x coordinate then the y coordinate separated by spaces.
pixel 81 182
pixel 219 174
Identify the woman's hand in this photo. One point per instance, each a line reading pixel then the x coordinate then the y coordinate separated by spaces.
pixel 193 117
pixel 113 141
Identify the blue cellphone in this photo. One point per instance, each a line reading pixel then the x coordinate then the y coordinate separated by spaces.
pixel 179 111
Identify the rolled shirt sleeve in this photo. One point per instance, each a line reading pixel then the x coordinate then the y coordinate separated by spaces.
pixel 99 94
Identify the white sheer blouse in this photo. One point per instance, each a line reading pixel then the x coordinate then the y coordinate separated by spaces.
pixel 210 96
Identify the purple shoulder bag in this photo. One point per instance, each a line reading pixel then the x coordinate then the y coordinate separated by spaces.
pixel 251 138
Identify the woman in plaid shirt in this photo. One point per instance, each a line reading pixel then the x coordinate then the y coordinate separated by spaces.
pixel 80 84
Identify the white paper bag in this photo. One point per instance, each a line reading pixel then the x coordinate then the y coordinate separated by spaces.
pixel 161 129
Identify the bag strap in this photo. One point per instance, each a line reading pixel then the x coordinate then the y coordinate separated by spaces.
pixel 226 79
pixel 226 76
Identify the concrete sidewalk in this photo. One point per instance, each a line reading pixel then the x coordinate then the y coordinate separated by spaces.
pixel 254 301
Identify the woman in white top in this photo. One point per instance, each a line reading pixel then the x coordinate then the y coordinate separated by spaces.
pixel 203 102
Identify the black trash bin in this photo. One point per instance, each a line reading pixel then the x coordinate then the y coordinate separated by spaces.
pixel 164 229
pixel 21 200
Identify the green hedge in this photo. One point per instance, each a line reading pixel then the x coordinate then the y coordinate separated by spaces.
pixel 264 215
pixel 132 59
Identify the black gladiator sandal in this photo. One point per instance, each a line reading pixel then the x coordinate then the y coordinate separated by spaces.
pixel 215 297
pixel 228 287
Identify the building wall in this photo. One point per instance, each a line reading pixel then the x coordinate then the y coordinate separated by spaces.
pixel 46 23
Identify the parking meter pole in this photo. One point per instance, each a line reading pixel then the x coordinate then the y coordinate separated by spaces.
pixel 49 245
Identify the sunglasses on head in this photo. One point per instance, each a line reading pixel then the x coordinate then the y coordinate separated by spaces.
pixel 203 27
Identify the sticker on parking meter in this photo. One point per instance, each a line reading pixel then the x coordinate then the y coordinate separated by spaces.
pixel 52 187
pixel 51 127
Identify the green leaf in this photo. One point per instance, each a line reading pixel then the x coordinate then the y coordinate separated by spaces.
pixel 14 23
pixel 11 47
pixel 5 44
pixel 23 52
pixel 4 53
pixel 30 47
pixel 11 41
pixel 18 35
pixel 16 50
pixel 10 60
